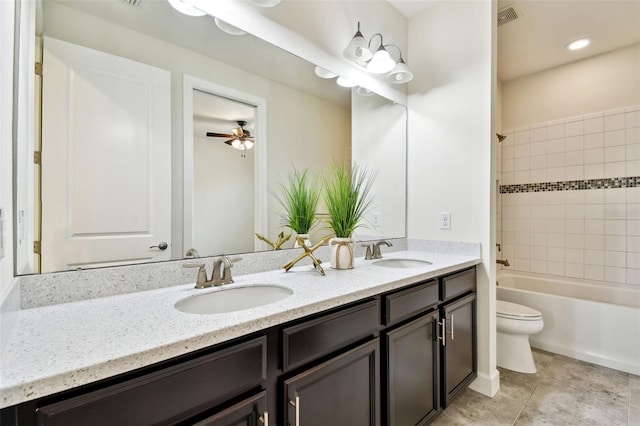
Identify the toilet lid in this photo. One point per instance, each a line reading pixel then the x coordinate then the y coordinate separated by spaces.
pixel 513 310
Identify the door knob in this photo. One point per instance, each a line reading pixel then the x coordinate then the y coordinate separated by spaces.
pixel 161 246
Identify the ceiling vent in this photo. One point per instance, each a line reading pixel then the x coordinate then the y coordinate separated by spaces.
pixel 507 15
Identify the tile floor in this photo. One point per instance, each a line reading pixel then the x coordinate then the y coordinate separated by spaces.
pixel 564 391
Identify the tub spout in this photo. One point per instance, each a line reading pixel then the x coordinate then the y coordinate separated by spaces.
pixel 504 262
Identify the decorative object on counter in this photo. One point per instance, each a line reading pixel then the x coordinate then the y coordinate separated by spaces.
pixel 308 252
pixel 347 196
pixel 341 253
pixel 299 196
pixel 277 245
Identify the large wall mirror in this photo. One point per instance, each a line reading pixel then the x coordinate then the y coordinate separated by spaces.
pixel 146 85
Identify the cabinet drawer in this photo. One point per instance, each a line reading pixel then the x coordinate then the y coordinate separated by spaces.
pixel 321 336
pixel 169 395
pixel 405 303
pixel 457 284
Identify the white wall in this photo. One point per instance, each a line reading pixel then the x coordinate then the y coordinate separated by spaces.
pixel 600 83
pixel 6 149
pixel 450 145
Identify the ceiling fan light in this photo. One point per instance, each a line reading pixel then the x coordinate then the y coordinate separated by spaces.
pixel 358 49
pixel 344 82
pixel 186 8
pixel 237 144
pixel 381 62
pixel 248 144
pixel 400 73
pixel 228 28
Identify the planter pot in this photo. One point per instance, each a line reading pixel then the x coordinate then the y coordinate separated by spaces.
pixel 341 253
pixel 305 237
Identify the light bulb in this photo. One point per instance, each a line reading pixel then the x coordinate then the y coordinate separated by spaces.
pixel 578 44
pixel 343 82
pixel 381 62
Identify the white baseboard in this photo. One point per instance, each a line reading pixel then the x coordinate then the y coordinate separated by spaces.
pixel 487 384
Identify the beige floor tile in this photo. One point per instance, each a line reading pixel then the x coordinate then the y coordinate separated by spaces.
pixel 472 408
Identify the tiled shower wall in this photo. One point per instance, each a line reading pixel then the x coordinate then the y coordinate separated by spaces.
pixel 569 200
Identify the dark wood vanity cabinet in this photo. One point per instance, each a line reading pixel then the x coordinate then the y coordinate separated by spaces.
pixel 345 390
pixel 394 359
pixel 458 337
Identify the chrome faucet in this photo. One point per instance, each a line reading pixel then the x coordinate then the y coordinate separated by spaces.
pixel 192 253
pixel 376 248
pixel 503 262
pixel 221 273
pixel 369 253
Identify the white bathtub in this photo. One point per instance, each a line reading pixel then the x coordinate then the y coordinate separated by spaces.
pixel 587 320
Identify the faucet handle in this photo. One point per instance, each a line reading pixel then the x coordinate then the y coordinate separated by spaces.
pixel 233 260
pixel 202 273
pixel 368 255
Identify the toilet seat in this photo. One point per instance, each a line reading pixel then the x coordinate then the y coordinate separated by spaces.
pixel 514 311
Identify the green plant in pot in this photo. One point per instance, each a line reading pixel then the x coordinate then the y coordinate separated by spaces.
pixel 347 197
pixel 299 196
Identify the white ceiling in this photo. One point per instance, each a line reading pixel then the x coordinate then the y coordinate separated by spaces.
pixel 536 40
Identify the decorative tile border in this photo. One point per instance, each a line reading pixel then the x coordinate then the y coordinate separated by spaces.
pixel 572 185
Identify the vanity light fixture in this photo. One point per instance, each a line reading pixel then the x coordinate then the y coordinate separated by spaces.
pixel 360 52
pixel 579 44
pixel 228 28
pixel 322 73
pixel 345 82
pixel 363 91
pixel 185 7
pixel 265 3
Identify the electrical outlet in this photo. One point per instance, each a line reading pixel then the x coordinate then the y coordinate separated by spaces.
pixel 375 218
pixel 445 220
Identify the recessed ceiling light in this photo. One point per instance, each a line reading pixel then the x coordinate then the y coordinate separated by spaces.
pixel 578 44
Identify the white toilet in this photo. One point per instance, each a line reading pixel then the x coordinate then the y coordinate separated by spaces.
pixel 514 324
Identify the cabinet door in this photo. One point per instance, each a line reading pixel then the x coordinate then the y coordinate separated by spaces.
pixel 249 412
pixel 344 390
pixel 459 349
pixel 412 372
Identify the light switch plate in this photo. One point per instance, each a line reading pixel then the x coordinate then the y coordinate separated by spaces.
pixel 445 220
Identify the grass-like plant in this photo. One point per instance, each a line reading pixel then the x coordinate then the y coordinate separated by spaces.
pixel 299 197
pixel 347 196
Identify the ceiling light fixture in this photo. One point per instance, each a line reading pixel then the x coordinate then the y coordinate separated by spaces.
pixel 344 82
pixel 360 52
pixel 579 44
pixel 265 3
pixel 228 28
pixel 322 73
pixel 185 7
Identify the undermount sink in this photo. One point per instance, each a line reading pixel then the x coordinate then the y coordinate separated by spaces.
pixel 401 263
pixel 232 299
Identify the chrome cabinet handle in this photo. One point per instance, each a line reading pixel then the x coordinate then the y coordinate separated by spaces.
pixel 450 332
pixel 443 335
pixel 264 418
pixel 296 404
pixel 161 246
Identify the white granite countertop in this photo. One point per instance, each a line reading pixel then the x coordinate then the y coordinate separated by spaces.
pixel 58 347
